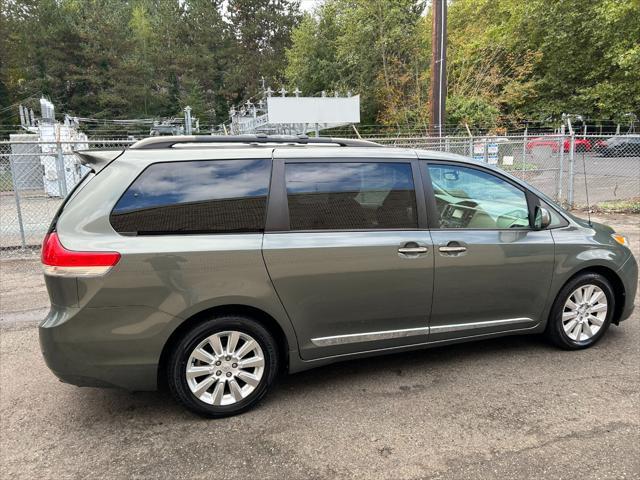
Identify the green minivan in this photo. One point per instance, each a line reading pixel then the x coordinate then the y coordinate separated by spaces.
pixel 210 264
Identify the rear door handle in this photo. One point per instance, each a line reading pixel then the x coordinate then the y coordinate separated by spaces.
pixel 413 250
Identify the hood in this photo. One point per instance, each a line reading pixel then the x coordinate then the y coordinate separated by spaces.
pixel 601 228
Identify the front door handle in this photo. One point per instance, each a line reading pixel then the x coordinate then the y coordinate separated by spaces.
pixel 413 250
pixel 453 249
pixel 447 249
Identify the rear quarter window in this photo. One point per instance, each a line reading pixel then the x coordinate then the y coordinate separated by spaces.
pixel 205 196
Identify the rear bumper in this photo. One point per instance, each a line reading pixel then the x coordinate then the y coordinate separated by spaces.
pixel 629 275
pixel 104 347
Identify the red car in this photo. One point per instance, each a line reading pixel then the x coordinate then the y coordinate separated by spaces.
pixel 581 144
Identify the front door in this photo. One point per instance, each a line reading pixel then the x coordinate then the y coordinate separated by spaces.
pixel 353 266
pixel 492 271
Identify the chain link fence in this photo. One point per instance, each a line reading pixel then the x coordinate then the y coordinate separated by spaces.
pixel 575 170
pixel 36 176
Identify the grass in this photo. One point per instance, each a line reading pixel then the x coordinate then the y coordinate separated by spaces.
pixel 519 167
pixel 631 205
pixel 6 184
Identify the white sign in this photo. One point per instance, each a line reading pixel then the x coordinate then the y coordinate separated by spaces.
pixel 492 151
pixel 314 109
pixel 478 151
pixel 507 160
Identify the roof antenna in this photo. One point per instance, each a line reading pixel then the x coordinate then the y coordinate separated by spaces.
pixel 586 187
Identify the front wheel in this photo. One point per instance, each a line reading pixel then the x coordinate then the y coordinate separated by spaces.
pixel 582 312
pixel 223 366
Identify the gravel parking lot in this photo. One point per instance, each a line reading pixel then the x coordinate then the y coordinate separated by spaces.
pixel 506 408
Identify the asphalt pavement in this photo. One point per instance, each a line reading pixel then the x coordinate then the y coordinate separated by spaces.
pixel 514 407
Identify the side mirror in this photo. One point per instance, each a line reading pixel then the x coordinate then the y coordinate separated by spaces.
pixel 542 219
pixel 451 176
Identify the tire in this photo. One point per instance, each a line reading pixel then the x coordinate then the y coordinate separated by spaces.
pixel 560 329
pixel 209 368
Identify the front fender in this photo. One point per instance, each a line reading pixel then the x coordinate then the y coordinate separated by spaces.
pixel 579 249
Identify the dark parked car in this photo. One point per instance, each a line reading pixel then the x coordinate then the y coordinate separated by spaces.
pixel 210 264
pixel 620 146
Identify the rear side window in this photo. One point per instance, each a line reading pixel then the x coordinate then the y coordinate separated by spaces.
pixel 351 196
pixel 211 196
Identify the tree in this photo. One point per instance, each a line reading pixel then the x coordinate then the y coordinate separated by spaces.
pixel 262 31
pixel 509 60
pixel 369 47
pixel 312 63
pixel 537 59
pixel 142 58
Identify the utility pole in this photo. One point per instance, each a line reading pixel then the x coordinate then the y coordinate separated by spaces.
pixel 438 92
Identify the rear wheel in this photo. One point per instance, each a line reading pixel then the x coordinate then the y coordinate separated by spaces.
pixel 582 312
pixel 223 366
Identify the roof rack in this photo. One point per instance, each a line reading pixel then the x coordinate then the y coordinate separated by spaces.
pixel 168 142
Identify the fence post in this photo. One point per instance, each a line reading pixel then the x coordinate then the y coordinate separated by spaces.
pixel 561 166
pixel 62 177
pixel 524 149
pixel 485 152
pixel 572 147
pixel 23 239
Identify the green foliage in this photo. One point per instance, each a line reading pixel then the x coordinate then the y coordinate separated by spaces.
pixel 372 48
pixel 550 58
pixel 471 110
pixel 519 167
pixel 262 29
pixel 508 60
pixel 618 206
pixel 142 58
pixel 312 62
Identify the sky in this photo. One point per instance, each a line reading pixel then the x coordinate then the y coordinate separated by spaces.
pixel 305 5
pixel 309 5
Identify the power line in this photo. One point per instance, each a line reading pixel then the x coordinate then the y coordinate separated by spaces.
pixel 19 102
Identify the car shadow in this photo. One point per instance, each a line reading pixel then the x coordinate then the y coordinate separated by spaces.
pixel 158 408
pixel 114 403
pixel 421 360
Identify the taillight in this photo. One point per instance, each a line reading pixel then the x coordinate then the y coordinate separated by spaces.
pixel 59 261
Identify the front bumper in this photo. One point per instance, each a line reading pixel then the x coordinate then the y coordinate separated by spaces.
pixel 628 273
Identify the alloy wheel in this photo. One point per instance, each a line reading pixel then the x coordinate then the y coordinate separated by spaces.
pixel 225 368
pixel 584 312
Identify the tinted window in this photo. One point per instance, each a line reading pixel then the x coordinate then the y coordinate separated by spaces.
pixel 195 197
pixel 470 198
pixel 343 196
